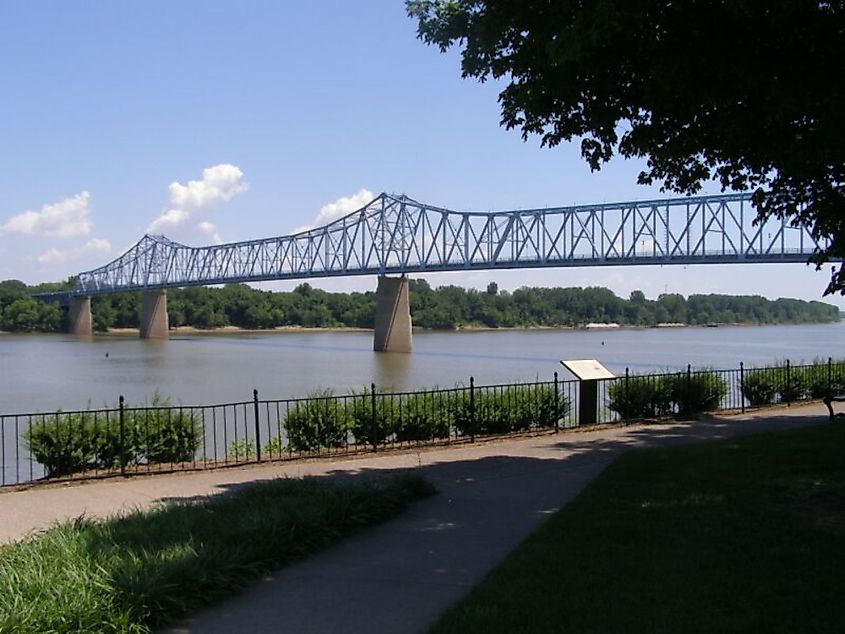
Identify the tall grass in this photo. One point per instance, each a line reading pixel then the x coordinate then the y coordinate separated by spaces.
pixel 135 573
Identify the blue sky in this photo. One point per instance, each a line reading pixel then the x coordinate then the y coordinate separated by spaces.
pixel 275 110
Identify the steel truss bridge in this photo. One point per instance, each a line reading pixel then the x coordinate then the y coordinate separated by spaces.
pixel 395 234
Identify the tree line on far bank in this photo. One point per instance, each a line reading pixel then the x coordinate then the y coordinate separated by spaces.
pixel 445 307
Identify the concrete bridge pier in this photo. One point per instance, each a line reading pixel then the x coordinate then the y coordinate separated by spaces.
pixel 79 316
pixel 393 315
pixel 154 323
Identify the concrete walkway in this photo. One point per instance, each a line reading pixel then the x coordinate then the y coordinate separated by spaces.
pixel 397 577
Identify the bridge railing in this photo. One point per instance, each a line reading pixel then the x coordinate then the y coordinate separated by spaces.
pixel 163 438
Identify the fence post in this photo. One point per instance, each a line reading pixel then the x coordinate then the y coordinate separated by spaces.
pixel 472 409
pixel 257 427
pixel 627 402
pixel 830 375
pixel 788 385
pixel 373 415
pixel 742 386
pixel 122 437
pixel 557 406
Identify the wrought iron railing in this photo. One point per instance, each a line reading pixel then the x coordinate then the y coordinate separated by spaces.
pixel 163 438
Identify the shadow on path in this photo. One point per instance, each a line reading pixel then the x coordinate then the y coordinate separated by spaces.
pixel 400 576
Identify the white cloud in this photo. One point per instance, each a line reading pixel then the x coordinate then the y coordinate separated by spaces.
pixel 95 246
pixel 64 219
pixel 210 230
pixel 187 203
pixel 339 208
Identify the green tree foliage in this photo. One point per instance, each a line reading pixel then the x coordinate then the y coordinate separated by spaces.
pixel 447 307
pixel 20 313
pixel 759 111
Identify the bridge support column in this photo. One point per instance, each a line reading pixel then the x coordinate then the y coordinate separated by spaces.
pixel 393 316
pixel 154 323
pixel 79 316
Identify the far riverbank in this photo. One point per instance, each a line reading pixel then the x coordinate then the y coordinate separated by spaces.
pixel 598 327
pixel 592 327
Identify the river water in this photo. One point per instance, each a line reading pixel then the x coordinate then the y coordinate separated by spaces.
pixel 48 372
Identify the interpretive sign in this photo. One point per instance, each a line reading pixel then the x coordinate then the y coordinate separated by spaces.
pixel 589 372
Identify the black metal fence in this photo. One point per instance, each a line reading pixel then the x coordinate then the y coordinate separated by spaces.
pixel 160 437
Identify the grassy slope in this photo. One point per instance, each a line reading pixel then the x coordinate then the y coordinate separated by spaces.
pixel 740 535
pixel 129 574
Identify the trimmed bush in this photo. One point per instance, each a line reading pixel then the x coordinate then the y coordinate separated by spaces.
pixel 792 385
pixel 320 422
pixel 640 397
pixel 422 416
pixel 506 409
pixel 821 380
pixel 400 418
pixel 696 392
pixel 759 386
pixel 161 433
pixel 364 429
pixel 67 443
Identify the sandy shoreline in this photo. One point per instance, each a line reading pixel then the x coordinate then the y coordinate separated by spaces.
pixel 235 330
pixel 592 327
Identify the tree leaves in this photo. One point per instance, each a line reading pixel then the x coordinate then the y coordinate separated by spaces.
pixel 746 94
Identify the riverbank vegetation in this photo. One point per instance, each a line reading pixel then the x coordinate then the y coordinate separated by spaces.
pixel 446 307
pixel 324 421
pixel 684 394
pixel 69 442
pixel 165 436
pixel 138 572
pixel 739 535
pixel 680 394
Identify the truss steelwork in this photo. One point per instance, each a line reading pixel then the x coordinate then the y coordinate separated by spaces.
pixel 396 234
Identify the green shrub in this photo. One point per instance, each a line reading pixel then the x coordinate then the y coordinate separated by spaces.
pixel 66 443
pixel 320 422
pixel 507 409
pixel 161 433
pixel 360 411
pixel 696 392
pixel 759 386
pixel 791 385
pixel 822 380
pixel 422 416
pixel 401 418
pixel 640 397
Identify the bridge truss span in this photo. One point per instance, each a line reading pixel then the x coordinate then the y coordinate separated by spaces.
pixel 396 234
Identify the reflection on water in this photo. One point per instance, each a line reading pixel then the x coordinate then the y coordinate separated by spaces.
pixel 47 372
pixel 392 369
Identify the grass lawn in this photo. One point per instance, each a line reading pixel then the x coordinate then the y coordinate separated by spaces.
pixel 137 572
pixel 743 535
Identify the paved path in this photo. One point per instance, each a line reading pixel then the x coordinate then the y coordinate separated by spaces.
pixel 397 577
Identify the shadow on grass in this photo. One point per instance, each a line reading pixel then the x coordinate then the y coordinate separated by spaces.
pixel 401 576
pixel 145 568
pixel 168 561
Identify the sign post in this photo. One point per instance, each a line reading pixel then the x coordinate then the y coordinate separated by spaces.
pixel 588 372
